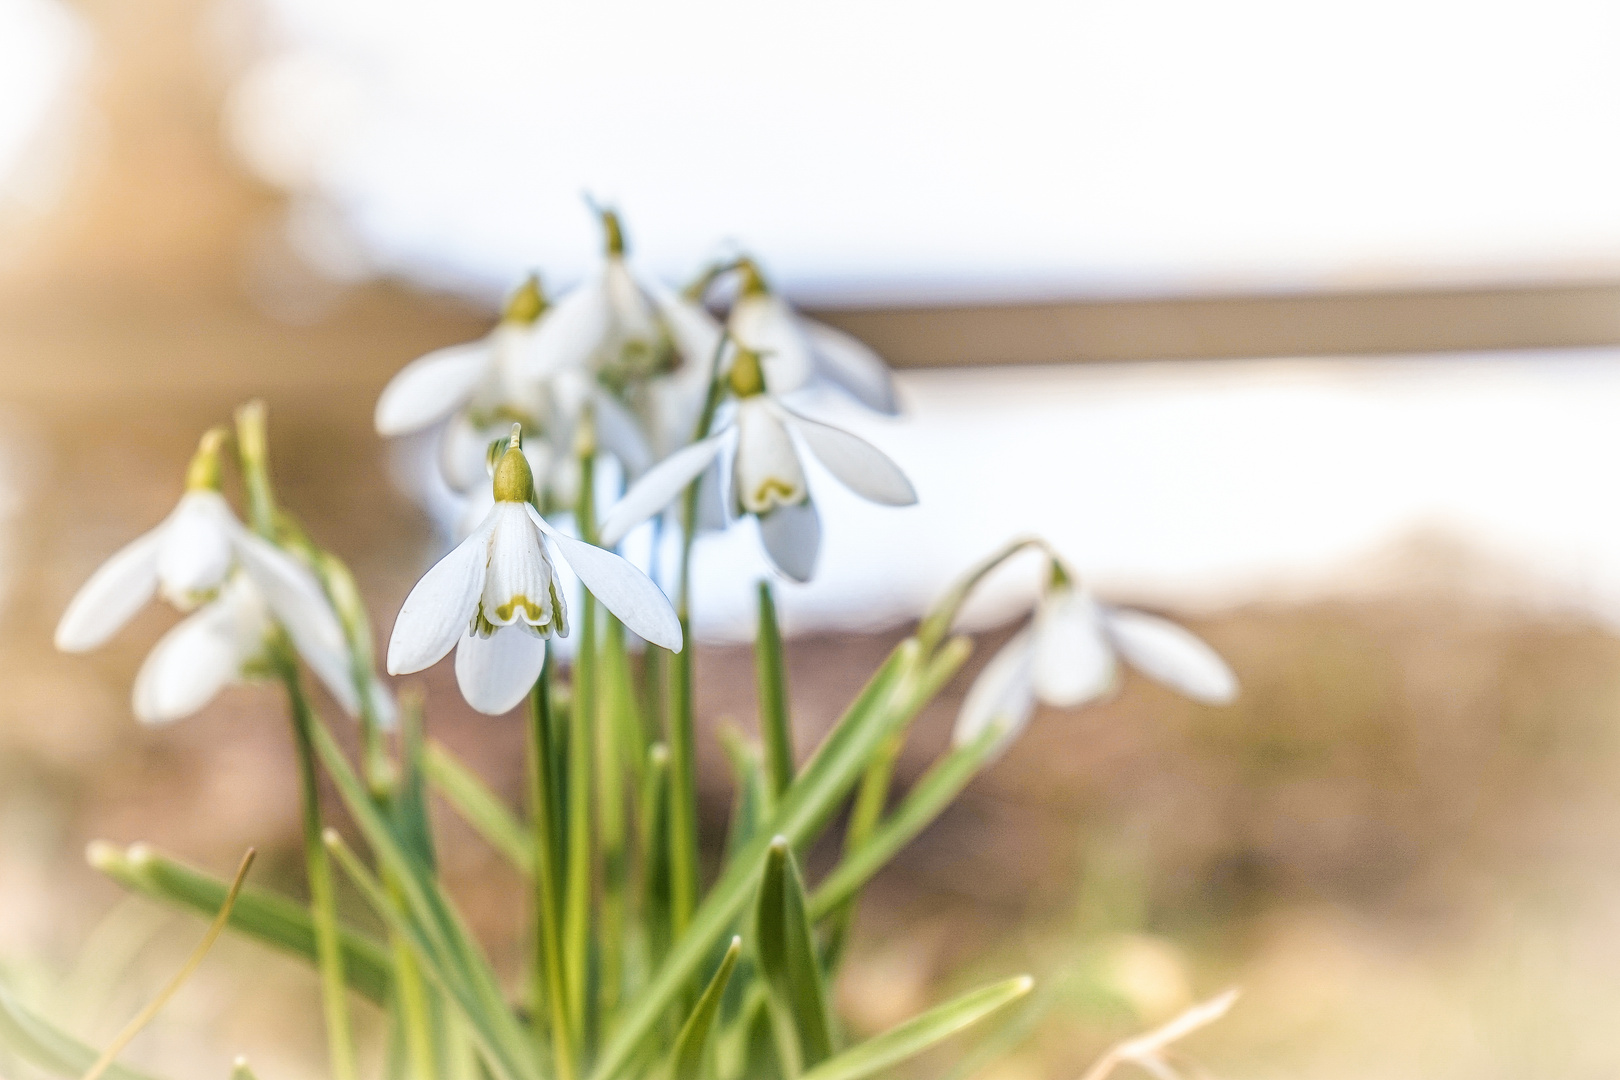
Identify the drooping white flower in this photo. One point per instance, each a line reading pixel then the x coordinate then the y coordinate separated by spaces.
pixel 477 390
pixel 767 476
pixel 495 597
pixel 1070 654
pixel 648 345
pixel 797 351
pixel 202 555
pixel 224 642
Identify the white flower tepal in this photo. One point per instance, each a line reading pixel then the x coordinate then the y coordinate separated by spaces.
pixel 495 598
pixel 1069 655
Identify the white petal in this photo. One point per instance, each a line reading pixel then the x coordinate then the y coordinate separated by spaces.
pixel 430 388
pixel 571 331
pixel 464 453
pixel 118 589
pixel 1004 693
pixel 195 660
pixel 520 584
pixel 436 613
pixel 622 588
pixel 634 317
pixel 196 553
pixel 792 538
pixel 658 487
pixel 333 667
pixel 619 433
pixel 695 333
pixel 1172 655
pixel 292 593
pixel 496 673
pixel 766 472
pixel 1074 662
pixel 765 324
pixel 845 361
pixel 860 466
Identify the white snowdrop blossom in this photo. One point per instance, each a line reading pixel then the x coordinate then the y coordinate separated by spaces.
pixel 474 392
pixel 1070 654
pixel 495 600
pixel 767 475
pixel 796 351
pixel 648 345
pixel 201 555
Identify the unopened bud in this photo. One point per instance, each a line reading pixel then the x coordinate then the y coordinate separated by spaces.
pixel 527 303
pixel 203 474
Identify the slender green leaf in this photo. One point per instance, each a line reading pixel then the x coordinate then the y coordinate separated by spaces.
pixel 479 806
pixel 265 917
pixel 38 1041
pixel 920 1033
pixel 786 948
pixel 686 1061
pixel 775 727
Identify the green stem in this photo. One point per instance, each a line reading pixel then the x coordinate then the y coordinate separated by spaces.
pixel 546 973
pixel 322 897
pixel 582 725
pixel 683 842
pixel 610 814
pixel 411 997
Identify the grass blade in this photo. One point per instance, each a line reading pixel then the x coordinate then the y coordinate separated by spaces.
pixel 775 728
pixel 786 949
pixel 920 1033
pixel 686 1061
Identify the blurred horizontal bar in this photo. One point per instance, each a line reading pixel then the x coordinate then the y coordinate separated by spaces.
pixel 1305 324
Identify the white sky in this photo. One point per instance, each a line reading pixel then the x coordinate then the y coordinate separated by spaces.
pixel 923 149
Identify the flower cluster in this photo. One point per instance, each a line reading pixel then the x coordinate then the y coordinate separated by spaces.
pixel 239 588
pixel 631 971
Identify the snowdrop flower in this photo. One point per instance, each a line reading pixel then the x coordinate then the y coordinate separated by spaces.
pixel 645 343
pixel 797 351
pixel 202 555
pixel 484 382
pixel 222 643
pixel 1070 653
pixel 495 597
pixel 767 475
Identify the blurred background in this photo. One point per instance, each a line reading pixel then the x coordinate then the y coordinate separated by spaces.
pixel 1298 322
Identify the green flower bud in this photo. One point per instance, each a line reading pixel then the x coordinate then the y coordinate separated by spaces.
pixel 527 303
pixel 747 376
pixel 514 480
pixel 203 474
